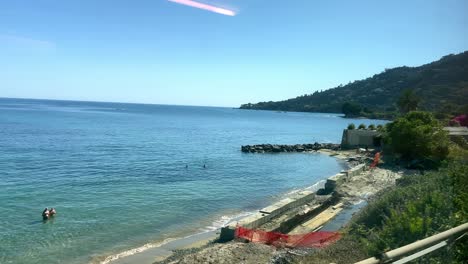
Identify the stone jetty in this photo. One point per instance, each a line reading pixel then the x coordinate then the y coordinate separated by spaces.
pixel 270 148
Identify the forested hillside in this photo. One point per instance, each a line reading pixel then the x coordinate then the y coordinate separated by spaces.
pixel 441 86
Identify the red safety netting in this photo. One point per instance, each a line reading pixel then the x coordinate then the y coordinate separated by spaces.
pixel 314 239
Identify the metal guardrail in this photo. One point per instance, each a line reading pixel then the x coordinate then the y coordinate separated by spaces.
pixel 419 248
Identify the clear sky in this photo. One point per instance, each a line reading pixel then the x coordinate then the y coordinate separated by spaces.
pixel 156 51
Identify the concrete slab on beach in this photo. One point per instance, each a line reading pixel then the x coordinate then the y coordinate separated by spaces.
pixel 319 220
pixel 276 206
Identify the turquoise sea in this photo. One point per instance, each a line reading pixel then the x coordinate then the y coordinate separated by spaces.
pixel 123 175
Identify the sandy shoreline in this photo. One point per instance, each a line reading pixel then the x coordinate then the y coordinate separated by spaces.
pixel 156 252
pixel 199 246
pixel 161 252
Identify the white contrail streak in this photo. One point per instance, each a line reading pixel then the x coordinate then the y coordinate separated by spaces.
pixel 207 7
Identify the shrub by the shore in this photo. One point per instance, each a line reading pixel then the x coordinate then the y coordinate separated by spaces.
pixel 418 139
pixel 419 206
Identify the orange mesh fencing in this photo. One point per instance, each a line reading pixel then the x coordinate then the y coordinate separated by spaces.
pixel 314 239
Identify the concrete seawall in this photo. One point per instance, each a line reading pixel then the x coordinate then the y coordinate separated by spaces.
pixel 327 197
pixel 266 214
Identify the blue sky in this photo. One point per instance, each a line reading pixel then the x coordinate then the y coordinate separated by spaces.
pixel 155 51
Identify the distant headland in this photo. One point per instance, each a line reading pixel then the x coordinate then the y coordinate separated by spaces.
pixel 441 86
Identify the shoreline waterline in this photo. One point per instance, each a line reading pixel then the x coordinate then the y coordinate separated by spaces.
pixel 176 242
pixel 354 187
pixel 158 251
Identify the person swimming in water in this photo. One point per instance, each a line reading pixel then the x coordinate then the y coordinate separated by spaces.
pixel 52 212
pixel 45 214
pixel 48 213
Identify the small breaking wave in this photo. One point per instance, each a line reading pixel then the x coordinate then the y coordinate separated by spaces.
pixel 226 220
pixel 133 251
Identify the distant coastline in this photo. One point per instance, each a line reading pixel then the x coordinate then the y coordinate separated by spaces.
pixel 376 97
pixel 339 114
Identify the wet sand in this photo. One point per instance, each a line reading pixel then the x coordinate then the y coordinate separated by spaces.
pixel 165 250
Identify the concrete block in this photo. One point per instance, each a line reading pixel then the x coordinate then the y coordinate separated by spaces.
pixel 227 234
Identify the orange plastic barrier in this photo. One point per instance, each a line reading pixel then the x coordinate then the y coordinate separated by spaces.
pixel 314 239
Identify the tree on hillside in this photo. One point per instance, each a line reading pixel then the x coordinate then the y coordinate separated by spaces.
pixel 408 101
pixel 351 109
pixel 418 137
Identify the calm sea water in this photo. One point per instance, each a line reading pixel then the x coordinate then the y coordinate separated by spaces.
pixel 117 172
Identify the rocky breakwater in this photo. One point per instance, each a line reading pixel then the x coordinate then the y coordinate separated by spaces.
pixel 270 148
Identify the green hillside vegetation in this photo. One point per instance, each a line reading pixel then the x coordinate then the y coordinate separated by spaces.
pixel 440 86
pixel 420 205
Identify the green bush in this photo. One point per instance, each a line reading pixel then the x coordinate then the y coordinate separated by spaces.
pixel 418 138
pixel 419 206
pixel 351 126
pixel 371 127
pixel 362 126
